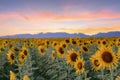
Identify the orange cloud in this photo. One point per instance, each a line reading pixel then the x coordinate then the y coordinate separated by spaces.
pixel 11 30
pixel 92 30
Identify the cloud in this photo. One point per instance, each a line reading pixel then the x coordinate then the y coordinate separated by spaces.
pixel 11 30
pixel 46 21
pixel 47 15
pixel 93 30
pixel 88 15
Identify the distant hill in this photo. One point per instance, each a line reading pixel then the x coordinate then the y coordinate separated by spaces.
pixel 46 35
pixel 108 34
pixel 63 35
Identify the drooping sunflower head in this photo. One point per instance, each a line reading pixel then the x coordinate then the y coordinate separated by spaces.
pixel 79 66
pixel 72 56
pixel 108 58
pixel 12 76
pixel 11 57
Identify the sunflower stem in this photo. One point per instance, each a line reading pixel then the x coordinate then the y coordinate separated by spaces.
pixel 111 73
pixel 102 74
pixel 68 71
pixel 85 73
pixel 80 76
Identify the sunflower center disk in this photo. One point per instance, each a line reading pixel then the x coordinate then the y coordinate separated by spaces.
pixel 79 65
pixel 23 56
pixel 107 57
pixel 25 52
pixel 85 49
pixel 61 51
pixel 96 63
pixel 42 50
pixel 12 57
pixel 73 57
pixel 64 45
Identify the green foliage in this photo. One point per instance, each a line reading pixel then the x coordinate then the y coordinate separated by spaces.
pixel 43 67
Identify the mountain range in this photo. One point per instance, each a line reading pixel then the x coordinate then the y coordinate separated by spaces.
pixel 63 35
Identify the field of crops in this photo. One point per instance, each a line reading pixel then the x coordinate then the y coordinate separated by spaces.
pixel 60 59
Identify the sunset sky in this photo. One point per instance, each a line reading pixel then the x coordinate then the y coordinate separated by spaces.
pixel 72 16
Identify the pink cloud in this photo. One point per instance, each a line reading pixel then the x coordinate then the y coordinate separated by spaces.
pixel 47 15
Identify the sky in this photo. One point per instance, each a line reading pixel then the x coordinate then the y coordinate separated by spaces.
pixel 71 16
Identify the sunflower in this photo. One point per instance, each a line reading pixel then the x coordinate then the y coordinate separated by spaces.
pixel 117 78
pixel 118 53
pixel 95 62
pixel 98 42
pixel 11 57
pixel 73 42
pixel 25 43
pixel 72 56
pixel 63 44
pixel 11 47
pixel 67 41
pixel 22 57
pixel 117 43
pixel 25 52
pixel 31 45
pixel 41 50
pixel 104 42
pixel 47 42
pixel 79 66
pixel 54 44
pixel 53 54
pixel 5 43
pixel 60 51
pixel 86 43
pixel 80 52
pixel 107 58
pixel 111 44
pixel 91 41
pixel 26 77
pixel 12 76
pixel 85 49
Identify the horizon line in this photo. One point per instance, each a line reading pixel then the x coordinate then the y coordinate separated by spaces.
pixel 60 32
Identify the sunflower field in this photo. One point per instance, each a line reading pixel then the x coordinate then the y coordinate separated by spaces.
pixel 60 59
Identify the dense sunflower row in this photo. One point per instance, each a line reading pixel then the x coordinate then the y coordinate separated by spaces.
pixel 60 59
